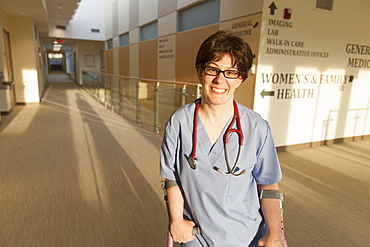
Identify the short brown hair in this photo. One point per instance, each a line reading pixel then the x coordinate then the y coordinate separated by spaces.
pixel 221 43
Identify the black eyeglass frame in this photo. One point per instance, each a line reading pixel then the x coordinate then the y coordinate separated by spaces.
pixel 222 71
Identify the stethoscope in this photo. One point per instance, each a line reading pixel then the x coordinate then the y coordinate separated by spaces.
pixel 193 161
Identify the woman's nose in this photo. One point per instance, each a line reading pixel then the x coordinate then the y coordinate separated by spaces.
pixel 220 78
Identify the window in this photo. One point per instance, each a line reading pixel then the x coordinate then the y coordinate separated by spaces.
pixel 203 14
pixel 124 39
pixel 325 4
pixel 149 31
pixel 109 44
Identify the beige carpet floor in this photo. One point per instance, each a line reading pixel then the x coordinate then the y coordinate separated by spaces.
pixel 327 199
pixel 73 173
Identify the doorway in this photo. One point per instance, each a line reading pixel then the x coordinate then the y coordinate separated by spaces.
pixel 56 62
pixel 9 70
pixel 8 56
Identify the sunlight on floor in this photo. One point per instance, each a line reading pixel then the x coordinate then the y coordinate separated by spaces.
pixel 89 171
pixel 22 121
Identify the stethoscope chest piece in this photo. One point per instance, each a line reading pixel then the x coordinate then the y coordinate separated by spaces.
pixel 193 162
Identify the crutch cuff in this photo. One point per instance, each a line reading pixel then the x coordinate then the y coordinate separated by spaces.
pixel 271 194
pixel 168 183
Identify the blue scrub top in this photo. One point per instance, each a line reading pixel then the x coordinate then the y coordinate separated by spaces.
pixel 226 208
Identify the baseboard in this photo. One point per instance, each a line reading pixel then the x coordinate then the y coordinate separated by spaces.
pixel 321 143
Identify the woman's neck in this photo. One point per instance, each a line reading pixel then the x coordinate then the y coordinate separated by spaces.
pixel 215 118
pixel 216 112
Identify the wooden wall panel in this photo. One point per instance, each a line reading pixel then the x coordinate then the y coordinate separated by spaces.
pixel 148 59
pixel 187 45
pixel 124 61
pixel 109 61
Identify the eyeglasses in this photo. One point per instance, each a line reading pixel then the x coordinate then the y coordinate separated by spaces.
pixel 229 73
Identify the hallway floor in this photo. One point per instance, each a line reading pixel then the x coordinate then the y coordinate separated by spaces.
pixel 76 174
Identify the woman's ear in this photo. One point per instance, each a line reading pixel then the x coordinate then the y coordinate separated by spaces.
pixel 240 81
pixel 200 74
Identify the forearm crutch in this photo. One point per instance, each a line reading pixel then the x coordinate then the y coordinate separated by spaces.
pixel 166 184
pixel 275 194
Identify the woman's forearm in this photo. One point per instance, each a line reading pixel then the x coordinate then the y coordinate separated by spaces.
pixel 175 203
pixel 181 229
pixel 271 211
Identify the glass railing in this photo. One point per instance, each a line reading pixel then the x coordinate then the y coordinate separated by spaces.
pixel 148 102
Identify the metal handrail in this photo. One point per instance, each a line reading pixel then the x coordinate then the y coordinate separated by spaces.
pixel 141 79
pixel 148 102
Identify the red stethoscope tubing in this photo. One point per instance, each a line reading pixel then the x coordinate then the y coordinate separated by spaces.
pixel 195 131
pixel 236 118
pixel 238 129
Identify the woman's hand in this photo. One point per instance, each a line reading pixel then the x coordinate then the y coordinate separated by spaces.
pixel 181 231
pixel 271 241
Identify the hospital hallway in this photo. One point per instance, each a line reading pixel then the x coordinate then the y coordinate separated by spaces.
pixel 75 174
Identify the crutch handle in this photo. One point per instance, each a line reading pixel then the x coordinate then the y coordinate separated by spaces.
pixel 196 230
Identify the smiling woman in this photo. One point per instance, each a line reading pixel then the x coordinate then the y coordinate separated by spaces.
pixel 213 182
pixel 219 89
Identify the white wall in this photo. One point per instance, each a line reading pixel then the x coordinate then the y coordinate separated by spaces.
pixel 134 36
pixel 326 104
pixel 123 16
pixel 148 11
pixel 89 15
pixel 184 3
pixel 24 59
pixel 167 24
pixel 88 57
pixel 108 17
pixel 231 9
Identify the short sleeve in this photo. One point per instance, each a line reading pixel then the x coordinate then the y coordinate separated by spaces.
pixel 267 169
pixel 168 153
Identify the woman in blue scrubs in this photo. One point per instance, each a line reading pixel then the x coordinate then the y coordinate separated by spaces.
pixel 221 198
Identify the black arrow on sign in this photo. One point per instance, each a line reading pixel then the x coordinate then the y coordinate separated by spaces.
pixel 255 25
pixel 272 8
pixel 267 93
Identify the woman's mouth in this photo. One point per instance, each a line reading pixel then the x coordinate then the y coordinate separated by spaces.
pixel 218 90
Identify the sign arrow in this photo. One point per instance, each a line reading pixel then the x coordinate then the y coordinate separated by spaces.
pixel 267 93
pixel 255 25
pixel 272 8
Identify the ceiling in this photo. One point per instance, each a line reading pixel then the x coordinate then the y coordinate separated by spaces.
pixel 59 11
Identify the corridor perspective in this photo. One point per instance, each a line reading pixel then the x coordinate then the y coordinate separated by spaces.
pixel 75 174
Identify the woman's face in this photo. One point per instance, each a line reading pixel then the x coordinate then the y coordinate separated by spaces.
pixel 219 89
